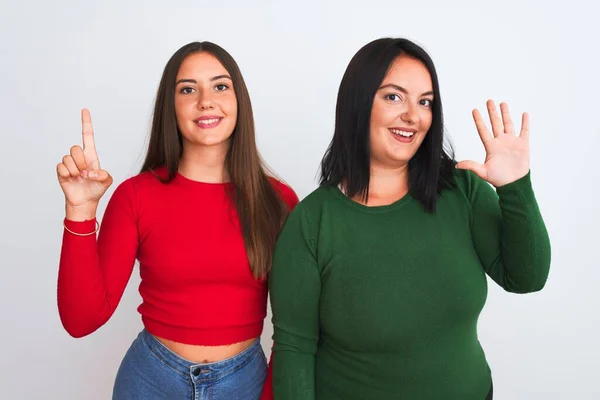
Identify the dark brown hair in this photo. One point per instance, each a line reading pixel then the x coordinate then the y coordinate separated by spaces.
pixel 260 208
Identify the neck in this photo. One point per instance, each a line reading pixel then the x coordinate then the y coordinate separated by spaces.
pixel 386 185
pixel 388 180
pixel 204 163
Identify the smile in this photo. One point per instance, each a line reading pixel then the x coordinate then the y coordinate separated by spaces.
pixel 209 122
pixel 403 136
pixel 407 134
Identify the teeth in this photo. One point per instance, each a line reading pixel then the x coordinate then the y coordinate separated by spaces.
pixel 402 133
pixel 207 121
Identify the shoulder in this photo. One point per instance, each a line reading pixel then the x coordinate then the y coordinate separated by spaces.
pixel 133 187
pixel 315 203
pixel 306 218
pixel 464 180
pixel 286 192
pixel 139 181
pixel 319 196
pixel 470 186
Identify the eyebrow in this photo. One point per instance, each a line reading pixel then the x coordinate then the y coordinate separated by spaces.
pixel 214 78
pixel 401 89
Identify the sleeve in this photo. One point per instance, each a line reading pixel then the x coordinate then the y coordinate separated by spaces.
pixel 295 285
pixel 509 234
pixel 291 199
pixel 93 272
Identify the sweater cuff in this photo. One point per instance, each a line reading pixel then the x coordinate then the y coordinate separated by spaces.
pixel 521 189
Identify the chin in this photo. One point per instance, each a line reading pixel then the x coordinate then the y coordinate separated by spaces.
pixel 400 157
pixel 213 142
pixel 206 140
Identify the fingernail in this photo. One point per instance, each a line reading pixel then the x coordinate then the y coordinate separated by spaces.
pixel 93 174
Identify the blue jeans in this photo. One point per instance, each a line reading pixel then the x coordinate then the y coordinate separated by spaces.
pixel 151 371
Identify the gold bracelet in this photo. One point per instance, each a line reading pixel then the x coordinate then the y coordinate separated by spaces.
pixel 83 234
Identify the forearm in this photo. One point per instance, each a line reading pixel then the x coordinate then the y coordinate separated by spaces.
pixel 510 236
pixel 81 294
pixel 525 242
pixel 294 376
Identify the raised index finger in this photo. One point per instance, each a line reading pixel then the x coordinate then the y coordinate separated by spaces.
pixel 87 131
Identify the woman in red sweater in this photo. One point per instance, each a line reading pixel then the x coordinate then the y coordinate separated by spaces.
pixel 201 218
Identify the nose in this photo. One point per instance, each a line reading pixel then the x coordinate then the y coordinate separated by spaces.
pixel 205 100
pixel 410 114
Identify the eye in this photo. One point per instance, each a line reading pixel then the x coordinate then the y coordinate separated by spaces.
pixel 221 87
pixel 426 102
pixel 186 90
pixel 393 97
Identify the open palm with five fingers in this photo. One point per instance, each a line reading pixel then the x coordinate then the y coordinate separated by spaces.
pixel 79 173
pixel 507 155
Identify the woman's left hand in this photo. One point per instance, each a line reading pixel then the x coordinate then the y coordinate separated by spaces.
pixel 507 155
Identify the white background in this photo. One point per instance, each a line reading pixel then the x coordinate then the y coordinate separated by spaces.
pixel 58 57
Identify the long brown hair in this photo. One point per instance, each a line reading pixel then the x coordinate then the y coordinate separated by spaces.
pixel 261 210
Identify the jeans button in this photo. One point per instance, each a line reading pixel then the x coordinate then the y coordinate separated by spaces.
pixel 196 371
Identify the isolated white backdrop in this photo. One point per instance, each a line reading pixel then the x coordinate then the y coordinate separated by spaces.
pixel 58 57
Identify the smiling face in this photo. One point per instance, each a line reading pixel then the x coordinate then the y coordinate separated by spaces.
pixel 205 101
pixel 402 113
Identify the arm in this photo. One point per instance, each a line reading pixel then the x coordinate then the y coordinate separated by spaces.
pixel 290 198
pixel 93 272
pixel 508 231
pixel 509 234
pixel 295 286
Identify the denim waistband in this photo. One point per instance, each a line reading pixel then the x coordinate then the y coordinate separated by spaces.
pixel 200 372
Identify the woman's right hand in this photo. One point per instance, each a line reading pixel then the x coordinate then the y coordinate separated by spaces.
pixel 80 176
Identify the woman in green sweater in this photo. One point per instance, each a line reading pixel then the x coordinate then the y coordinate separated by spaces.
pixel 379 275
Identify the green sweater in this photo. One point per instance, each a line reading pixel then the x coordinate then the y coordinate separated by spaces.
pixel 382 302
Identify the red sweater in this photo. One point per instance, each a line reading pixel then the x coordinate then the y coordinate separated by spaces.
pixel 187 239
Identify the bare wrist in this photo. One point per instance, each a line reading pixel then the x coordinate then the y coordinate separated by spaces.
pixel 84 212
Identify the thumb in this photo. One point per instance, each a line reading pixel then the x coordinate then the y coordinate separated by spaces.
pixel 475 167
pixel 101 176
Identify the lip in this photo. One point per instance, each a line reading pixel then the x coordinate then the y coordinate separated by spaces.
pixel 201 121
pixel 403 129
